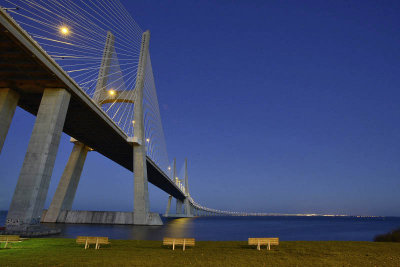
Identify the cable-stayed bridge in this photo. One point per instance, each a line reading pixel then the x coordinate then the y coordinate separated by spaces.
pixel 84 68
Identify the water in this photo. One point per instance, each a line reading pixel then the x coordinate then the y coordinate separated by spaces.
pixel 240 228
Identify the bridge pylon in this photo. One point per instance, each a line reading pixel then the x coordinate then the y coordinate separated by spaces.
pixel 141 204
pixel 179 202
pixel 187 205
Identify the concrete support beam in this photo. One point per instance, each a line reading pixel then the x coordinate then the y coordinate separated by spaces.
pixel 179 204
pixel 33 183
pixel 141 203
pixel 187 207
pixel 186 178
pixel 65 193
pixel 168 206
pixel 8 103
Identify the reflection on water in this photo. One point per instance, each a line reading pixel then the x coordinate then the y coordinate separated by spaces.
pixel 240 228
pixel 182 227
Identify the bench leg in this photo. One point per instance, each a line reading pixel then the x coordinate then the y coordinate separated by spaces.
pixel 258 245
pixel 269 247
pixel 86 244
pixel 97 243
pixel 173 245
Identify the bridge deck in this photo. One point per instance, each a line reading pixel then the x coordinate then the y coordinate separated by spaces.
pixel 28 69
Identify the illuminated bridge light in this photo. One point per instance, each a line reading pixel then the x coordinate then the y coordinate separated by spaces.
pixel 111 92
pixel 64 30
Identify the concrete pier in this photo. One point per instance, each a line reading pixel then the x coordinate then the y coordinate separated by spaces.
pixel 65 193
pixel 168 206
pixel 188 211
pixel 33 183
pixel 187 207
pixel 179 205
pixel 8 103
pixel 141 205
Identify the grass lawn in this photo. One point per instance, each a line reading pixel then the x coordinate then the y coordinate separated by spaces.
pixel 65 252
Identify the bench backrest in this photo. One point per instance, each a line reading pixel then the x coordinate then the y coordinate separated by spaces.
pixel 102 240
pixel 92 239
pixel 178 241
pixel 264 241
pixel 81 239
pixel 9 237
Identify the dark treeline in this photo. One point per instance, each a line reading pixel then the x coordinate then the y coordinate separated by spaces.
pixel 393 236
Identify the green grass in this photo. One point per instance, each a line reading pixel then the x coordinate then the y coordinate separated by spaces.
pixel 65 252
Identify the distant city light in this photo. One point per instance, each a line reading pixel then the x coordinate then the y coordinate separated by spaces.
pixel 111 92
pixel 64 30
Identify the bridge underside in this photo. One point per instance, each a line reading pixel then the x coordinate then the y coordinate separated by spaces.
pixel 25 69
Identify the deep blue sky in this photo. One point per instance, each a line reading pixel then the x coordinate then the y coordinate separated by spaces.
pixel 280 106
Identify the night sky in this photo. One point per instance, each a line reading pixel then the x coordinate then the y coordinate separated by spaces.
pixel 279 106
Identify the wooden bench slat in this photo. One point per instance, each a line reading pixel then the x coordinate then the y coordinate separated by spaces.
pixel 178 241
pixel 268 241
pixel 9 239
pixel 88 240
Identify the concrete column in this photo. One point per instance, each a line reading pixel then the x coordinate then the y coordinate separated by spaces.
pixel 186 179
pixel 8 103
pixel 187 207
pixel 179 205
pixel 141 205
pixel 186 201
pixel 34 179
pixel 168 206
pixel 65 193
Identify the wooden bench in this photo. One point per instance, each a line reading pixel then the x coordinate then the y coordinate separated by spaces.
pixel 178 241
pixel 88 240
pixel 263 241
pixel 9 239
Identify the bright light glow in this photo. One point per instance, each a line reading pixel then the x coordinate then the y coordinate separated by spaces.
pixel 111 92
pixel 148 140
pixel 169 168
pixel 133 122
pixel 64 30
